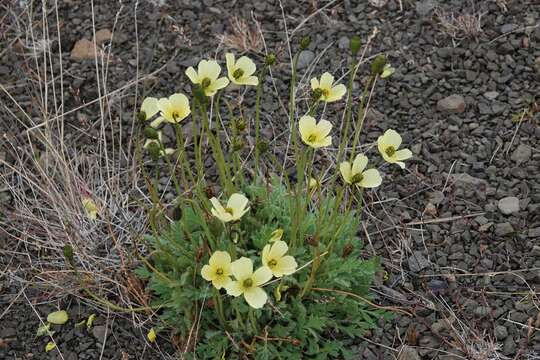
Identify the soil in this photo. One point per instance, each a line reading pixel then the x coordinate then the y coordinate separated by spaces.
pixel 458 230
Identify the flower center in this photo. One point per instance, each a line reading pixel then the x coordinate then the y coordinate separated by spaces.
pixel 272 263
pixel 229 210
pixel 237 74
pixel 219 271
pixel 390 151
pixel 247 283
pixel 175 115
pixel 312 138
pixel 317 93
pixel 325 92
pixel 357 178
pixel 206 82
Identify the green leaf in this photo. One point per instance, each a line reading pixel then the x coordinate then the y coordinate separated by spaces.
pixel 58 317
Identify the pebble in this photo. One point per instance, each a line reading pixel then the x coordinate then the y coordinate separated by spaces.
pixel 424 7
pixel 508 205
pixel 408 353
pixel 452 104
pixel 83 50
pixel 417 261
pixel 500 332
pixel 504 229
pixel 521 154
pixel 491 95
pixel 103 35
pixel 99 332
pixel 305 58
pixel 534 232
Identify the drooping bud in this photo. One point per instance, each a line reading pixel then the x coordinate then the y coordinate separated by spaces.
pixel 377 66
pixel 263 146
pixel 270 59
pixel 154 150
pixel 304 43
pixel 141 116
pixel 354 44
pixel 151 133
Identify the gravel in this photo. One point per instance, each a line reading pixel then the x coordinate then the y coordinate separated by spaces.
pixel 508 205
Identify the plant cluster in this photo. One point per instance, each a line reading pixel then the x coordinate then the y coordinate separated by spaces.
pixel 264 268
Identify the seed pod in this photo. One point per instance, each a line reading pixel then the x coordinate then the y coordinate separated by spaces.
pixel 141 116
pixel 304 43
pixel 270 59
pixel 377 66
pixel 355 44
pixel 238 144
pixel 151 133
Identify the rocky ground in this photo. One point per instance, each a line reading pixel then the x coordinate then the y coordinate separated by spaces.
pixel 458 230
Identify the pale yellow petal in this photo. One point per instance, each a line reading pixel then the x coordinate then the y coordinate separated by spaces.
pixel 285 266
pixel 307 125
pixel 256 297
pixel 403 154
pixel 192 75
pixel 207 273
pixel 345 169
pixel 359 164
pixel 326 142
pixel 261 275
pixel 237 202
pixel 229 59
pixel 209 69
pixel 324 127
pixel 221 282
pixel 264 255
pixel 220 259
pixel 326 81
pixel 219 83
pixel 278 249
pixel 392 138
pixel 401 164
pixel 314 84
pixel 158 121
pixel 251 80
pixel 242 268
pixel 217 205
pixel 164 106
pixel 247 65
pixel 233 288
pixel 370 178
pixel 336 93
pixel 150 107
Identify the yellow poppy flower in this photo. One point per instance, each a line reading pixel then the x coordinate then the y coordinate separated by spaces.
pixel 315 134
pixel 388 145
pixel 276 235
pixel 158 143
pixel 151 336
pixel 325 90
pixel 274 257
pixel 90 207
pixel 241 72
pixel 387 71
pixel 354 173
pixel 248 282
pixel 207 77
pixel 218 269
pixel 235 209
pixel 175 108
pixel 149 107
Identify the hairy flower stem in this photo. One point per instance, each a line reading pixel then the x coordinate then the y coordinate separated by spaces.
pixel 368 89
pixel 262 75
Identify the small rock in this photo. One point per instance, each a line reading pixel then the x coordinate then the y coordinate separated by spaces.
pixel 102 36
pixel 453 104
pixel 521 154
pixel 305 58
pixel 424 7
pixel 507 28
pixel 508 205
pixel 417 261
pixel 408 353
pixel 99 333
pixel 461 179
pixel 504 229
pixel 343 42
pixel 83 50
pixel 500 332
pixel 534 232
pixel 491 95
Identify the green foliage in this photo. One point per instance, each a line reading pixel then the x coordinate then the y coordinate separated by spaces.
pixel 317 323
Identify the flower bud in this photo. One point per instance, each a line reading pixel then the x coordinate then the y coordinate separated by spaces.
pixel 377 66
pixel 238 144
pixel 355 44
pixel 151 133
pixel 154 150
pixel 240 124
pixel 68 253
pixel 141 116
pixel 263 146
pixel 304 43
pixel 270 59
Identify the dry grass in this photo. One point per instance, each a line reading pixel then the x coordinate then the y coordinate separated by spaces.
pixel 242 37
pixel 460 26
